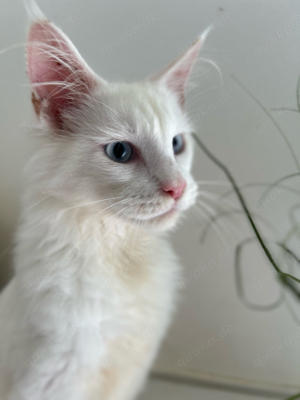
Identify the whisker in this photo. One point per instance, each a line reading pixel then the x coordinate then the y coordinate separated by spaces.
pixel 112 205
pixel 190 98
pixel 231 225
pixel 220 202
pixel 213 182
pixel 116 214
pixel 91 202
pixel 215 65
pixel 216 202
pixel 222 226
pixel 206 217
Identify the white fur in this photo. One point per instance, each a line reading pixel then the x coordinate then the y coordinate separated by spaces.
pixel 96 276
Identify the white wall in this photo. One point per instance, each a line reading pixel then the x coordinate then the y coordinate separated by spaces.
pixel 258 42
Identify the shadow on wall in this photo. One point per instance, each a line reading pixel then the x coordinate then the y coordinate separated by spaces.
pixel 6 246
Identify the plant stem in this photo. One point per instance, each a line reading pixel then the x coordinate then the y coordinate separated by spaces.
pixel 283 276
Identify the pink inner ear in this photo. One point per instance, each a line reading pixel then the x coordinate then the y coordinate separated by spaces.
pixel 52 59
pixel 176 74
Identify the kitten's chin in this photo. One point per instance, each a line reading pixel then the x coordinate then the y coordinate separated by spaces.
pixel 162 222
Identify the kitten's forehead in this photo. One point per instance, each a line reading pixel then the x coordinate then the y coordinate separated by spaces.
pixel 146 109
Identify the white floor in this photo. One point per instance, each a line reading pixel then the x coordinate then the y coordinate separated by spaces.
pixel 163 390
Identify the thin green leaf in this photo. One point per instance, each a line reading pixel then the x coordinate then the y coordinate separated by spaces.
pixel 282 275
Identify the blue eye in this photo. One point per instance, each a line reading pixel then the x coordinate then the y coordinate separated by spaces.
pixel 119 151
pixel 178 144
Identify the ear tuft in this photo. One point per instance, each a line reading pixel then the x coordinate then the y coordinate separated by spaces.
pixel 33 11
pixel 175 75
pixel 59 76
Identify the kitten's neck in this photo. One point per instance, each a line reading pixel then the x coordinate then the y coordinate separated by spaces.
pixel 112 231
pixel 56 226
pixel 74 257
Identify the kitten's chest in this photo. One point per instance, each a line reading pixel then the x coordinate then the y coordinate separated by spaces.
pixel 136 291
pixel 132 298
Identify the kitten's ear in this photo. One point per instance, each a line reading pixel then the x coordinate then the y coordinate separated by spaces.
pixel 175 75
pixel 59 76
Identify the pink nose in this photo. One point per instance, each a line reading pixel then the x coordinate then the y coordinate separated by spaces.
pixel 174 190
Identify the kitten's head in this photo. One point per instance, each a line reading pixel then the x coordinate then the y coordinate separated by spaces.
pixel 130 144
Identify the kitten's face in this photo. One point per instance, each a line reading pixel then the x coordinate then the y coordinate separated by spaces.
pixel 138 153
pixel 130 143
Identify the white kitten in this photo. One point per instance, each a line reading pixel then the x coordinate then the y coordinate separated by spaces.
pixel 95 278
